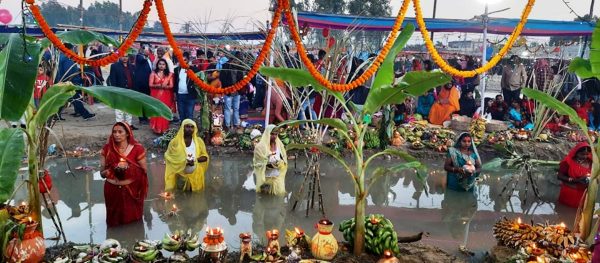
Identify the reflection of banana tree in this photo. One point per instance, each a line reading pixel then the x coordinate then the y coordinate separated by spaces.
pixel 20 59
pixel 521 180
pixel 383 92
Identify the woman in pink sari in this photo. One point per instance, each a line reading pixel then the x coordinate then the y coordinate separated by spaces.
pixel 161 88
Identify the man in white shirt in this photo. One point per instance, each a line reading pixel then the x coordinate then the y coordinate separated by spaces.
pixel 185 91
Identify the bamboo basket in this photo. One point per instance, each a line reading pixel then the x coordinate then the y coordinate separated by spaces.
pixel 495 126
pixel 460 123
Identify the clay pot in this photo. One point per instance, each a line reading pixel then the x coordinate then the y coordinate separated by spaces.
pixel 29 250
pixel 324 246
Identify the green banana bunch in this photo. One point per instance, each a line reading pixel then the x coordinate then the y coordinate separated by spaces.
pixel 379 234
pixel 192 242
pixel 145 251
pixel 171 244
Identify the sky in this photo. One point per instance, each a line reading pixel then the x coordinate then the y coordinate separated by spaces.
pixel 246 14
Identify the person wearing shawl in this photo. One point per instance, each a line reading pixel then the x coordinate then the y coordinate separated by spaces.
pixel 123 163
pixel 462 164
pixel 446 104
pixel 270 163
pixel 187 157
pixel 574 172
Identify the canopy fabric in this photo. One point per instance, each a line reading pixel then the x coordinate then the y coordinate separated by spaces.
pixel 209 36
pixel 501 26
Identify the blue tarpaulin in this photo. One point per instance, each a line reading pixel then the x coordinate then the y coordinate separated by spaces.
pixel 35 31
pixel 501 26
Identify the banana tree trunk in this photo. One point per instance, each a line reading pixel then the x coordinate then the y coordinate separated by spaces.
pixel 32 186
pixel 359 217
pixel 587 213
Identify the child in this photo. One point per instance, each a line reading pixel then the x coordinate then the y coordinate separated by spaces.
pixel 42 83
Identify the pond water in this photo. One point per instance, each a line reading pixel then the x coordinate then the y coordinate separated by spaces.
pixel 230 201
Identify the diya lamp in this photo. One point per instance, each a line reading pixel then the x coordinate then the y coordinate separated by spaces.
pixel 301 242
pixel 245 245
pixel 189 168
pixel 174 211
pixel 561 228
pixel 273 240
pixel 388 257
pixel 213 248
pixel 167 195
pixel 121 167
pixel 23 208
pixel 271 255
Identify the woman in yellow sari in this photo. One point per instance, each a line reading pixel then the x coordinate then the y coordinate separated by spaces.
pixel 445 105
pixel 186 157
pixel 270 163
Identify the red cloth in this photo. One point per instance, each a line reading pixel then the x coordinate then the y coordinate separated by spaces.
pixel 158 124
pixel 582 112
pixel 125 204
pixel 42 83
pixel 570 195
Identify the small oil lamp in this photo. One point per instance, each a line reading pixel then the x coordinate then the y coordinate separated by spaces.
pixel 388 257
pixel 213 248
pixel 561 228
pixel 189 168
pixel 271 255
pixel 245 245
pixel 167 195
pixel 122 163
pixel 273 240
pixel 23 208
pixel 301 241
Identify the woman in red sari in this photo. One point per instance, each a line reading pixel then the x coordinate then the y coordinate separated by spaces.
pixel 123 165
pixel 574 172
pixel 161 88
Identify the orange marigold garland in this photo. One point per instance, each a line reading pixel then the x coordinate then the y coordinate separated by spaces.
pixel 133 35
pixel 470 73
pixel 368 73
pixel 264 52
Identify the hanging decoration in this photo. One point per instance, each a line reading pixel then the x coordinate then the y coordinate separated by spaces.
pixel 122 50
pixel 470 73
pixel 5 16
pixel 264 52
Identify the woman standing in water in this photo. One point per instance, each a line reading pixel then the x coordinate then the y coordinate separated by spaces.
pixel 123 163
pixel 463 164
pixel 270 163
pixel 574 172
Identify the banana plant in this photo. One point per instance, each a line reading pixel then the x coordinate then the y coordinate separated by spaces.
pixel 385 91
pixel 18 68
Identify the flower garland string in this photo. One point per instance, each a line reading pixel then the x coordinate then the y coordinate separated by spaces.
pixel 133 35
pixel 470 73
pixel 264 52
pixel 367 74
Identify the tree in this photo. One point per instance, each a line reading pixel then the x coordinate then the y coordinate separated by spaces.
pixel 370 8
pixel 156 27
pixel 94 16
pixel 329 6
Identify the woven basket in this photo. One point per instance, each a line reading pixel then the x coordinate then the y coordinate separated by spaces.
pixel 460 123
pixel 495 125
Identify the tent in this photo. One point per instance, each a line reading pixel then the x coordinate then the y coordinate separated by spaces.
pixel 115 33
pixel 501 26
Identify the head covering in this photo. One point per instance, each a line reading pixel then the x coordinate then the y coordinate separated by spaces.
pixel 111 152
pixel 262 152
pixel 176 160
pixel 455 150
pixel 570 158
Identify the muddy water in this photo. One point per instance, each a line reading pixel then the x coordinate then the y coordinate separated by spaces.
pixel 230 201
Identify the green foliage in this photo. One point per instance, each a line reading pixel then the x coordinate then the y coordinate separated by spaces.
pixel 12 147
pixel 82 37
pixel 18 70
pixel 334 123
pixel 581 67
pixel 127 100
pixel 557 105
pixel 103 14
pixel 385 74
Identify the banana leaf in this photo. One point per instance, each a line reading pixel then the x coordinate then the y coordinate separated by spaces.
pixel 19 61
pixel 129 101
pixel 414 83
pixel 556 105
pixel 581 67
pixel 82 37
pixel 298 78
pixel 595 51
pixel 53 99
pixel 385 74
pixel 12 148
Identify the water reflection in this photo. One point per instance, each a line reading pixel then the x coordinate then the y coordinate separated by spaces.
pixel 229 201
